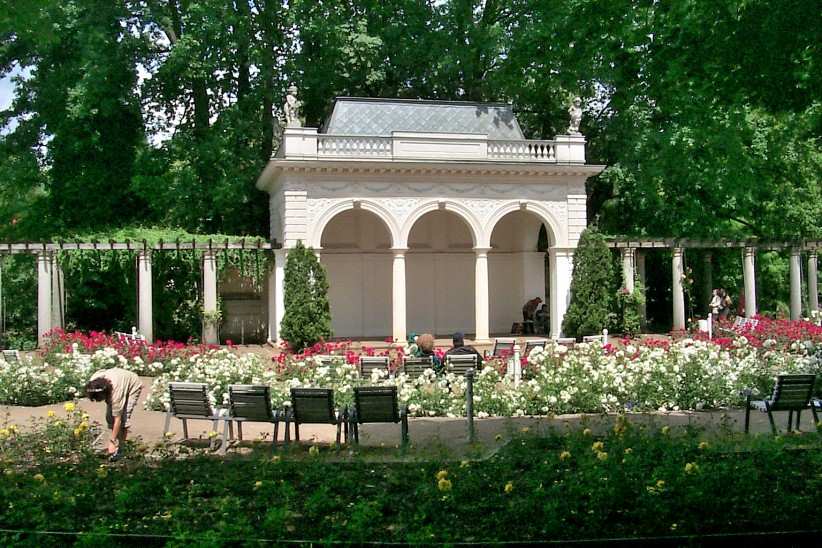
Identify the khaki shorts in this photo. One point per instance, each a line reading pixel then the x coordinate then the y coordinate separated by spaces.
pixel 131 403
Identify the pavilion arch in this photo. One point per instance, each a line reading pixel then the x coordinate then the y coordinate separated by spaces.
pixel 557 236
pixel 474 226
pixel 345 205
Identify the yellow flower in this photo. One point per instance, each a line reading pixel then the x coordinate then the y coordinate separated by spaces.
pixel 39 477
pixel 77 432
pixel 444 484
pixel 102 472
pixel 602 455
pixel 51 414
pixel 83 426
pixel 4 432
pixel 9 472
pixel 442 474
pixel 691 468
pixel 498 437
pixel 314 451
pixel 525 429
pixel 213 434
pixel 464 464
pixel 69 407
pixel 628 451
pixel 703 445
pixel 275 458
pixel 586 432
pixel 509 487
pixel 12 429
pixel 660 484
pixel 169 435
pixel 665 430
pixel 257 485
pixel 598 446
pixel 565 455
pixel 85 416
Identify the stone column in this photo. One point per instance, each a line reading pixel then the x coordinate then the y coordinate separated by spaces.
pixel 398 295
pixel 628 255
pixel 813 290
pixel 210 302
pixel 678 294
pixel 45 265
pixel 796 283
pixel 562 269
pixel 276 305
pixel 639 259
pixel 145 318
pixel 481 294
pixel 749 274
pixel 58 295
pixel 708 288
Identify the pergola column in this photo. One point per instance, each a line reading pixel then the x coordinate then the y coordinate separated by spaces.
pixel 639 259
pixel 45 266
pixel 678 293
pixel 210 304
pixel 708 288
pixel 145 319
pixel 276 304
pixel 562 270
pixel 796 283
pixel 628 255
pixel 813 290
pixel 398 295
pixel 749 274
pixel 481 294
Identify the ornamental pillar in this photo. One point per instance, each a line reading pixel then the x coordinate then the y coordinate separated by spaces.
pixel 708 288
pixel 639 259
pixel 45 266
pixel 796 283
pixel 145 319
pixel 398 295
pixel 628 257
pixel 749 274
pixel 276 303
pixel 481 294
pixel 562 270
pixel 210 301
pixel 813 290
pixel 678 293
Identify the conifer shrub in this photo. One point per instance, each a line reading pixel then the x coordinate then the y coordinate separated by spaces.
pixel 307 318
pixel 593 287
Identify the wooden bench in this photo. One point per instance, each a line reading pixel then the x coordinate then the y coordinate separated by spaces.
pixel 415 367
pixel 377 404
pixel 12 356
pixel 189 401
pixel 459 364
pixel 503 348
pixel 532 344
pixel 249 403
pixel 791 393
pixel 313 406
pixel 372 363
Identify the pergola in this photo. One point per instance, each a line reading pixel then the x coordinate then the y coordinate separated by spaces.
pixel 49 286
pixel 633 263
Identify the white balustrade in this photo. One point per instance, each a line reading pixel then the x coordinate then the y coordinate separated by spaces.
pixel 354 146
pixel 532 151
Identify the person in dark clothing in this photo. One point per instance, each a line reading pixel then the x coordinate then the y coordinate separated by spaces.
pixel 460 348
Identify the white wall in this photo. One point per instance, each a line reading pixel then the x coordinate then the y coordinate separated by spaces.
pixel 359 293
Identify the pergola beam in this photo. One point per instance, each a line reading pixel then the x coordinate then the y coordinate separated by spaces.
pixel 685 243
pixel 35 247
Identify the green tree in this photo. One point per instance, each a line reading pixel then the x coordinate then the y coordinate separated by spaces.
pixel 592 287
pixel 307 318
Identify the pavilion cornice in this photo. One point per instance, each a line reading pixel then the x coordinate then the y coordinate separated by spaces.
pixel 689 243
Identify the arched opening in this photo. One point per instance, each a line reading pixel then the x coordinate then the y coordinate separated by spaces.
pixel 440 275
pixel 518 270
pixel 356 252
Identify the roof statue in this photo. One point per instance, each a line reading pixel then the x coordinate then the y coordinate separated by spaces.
pixel 292 108
pixel 575 115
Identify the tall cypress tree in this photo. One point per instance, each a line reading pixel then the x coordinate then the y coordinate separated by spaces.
pixel 592 287
pixel 307 318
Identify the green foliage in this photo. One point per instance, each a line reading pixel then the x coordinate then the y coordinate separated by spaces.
pixel 307 318
pixel 592 287
pixel 19 301
pixel 630 310
pixel 659 484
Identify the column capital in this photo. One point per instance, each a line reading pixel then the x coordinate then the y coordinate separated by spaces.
pixel 796 251
pixel 749 250
pixel 629 251
pixel 399 251
pixel 482 250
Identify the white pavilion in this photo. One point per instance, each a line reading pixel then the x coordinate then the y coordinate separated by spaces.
pixel 427 216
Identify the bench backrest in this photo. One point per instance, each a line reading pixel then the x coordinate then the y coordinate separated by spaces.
pixel 459 364
pixel 592 339
pixel 503 348
pixel 11 356
pixel 190 399
pixel 313 405
pixel 376 404
pixel 370 363
pixel 414 367
pixel 328 359
pixel 536 343
pixel 792 392
pixel 565 341
pixel 251 402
